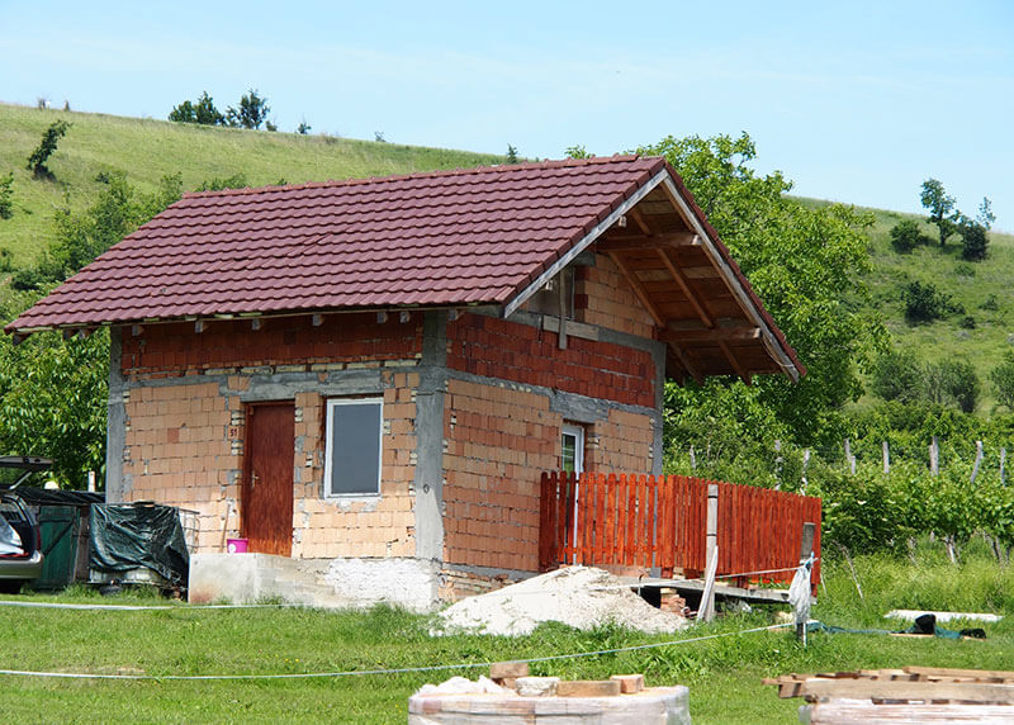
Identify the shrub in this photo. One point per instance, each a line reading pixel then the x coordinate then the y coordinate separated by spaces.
pixel 7 196
pixel 967 322
pixel 923 303
pixel 6 260
pixel 897 376
pixel 990 303
pixel 973 240
pixel 50 137
pixel 905 236
pixel 253 111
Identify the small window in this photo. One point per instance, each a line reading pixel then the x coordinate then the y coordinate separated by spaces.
pixel 353 447
pixel 572 449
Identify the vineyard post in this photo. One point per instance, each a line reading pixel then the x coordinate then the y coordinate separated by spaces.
pixel 1003 461
pixel 887 458
pixel 806 462
pixel 934 453
pixel 850 460
pixel 978 460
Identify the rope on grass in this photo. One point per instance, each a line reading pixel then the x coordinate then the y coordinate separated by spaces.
pixel 143 607
pixel 401 670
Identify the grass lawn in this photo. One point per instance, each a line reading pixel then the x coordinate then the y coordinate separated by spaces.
pixel 723 674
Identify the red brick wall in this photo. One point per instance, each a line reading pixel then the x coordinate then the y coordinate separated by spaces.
pixel 498 443
pixel 620 444
pixel 279 341
pixel 507 350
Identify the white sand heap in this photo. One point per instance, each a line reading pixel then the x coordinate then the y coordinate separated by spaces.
pixel 578 596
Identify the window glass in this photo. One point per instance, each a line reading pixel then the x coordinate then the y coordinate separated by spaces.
pixel 353 447
pixel 572 449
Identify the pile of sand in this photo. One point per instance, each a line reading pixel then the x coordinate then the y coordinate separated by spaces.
pixel 579 596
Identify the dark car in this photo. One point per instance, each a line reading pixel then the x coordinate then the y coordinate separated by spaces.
pixel 20 539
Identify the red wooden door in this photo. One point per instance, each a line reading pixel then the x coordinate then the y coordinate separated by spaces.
pixel 266 508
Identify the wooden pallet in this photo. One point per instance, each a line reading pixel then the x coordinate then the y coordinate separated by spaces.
pixel 909 695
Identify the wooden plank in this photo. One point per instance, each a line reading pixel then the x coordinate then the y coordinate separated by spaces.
pixel 547 532
pixel 952 672
pixel 853 712
pixel 666 544
pixel 611 243
pixel 876 690
pixel 631 521
pixel 609 521
pixel 684 285
pixel 569 540
pixel 683 336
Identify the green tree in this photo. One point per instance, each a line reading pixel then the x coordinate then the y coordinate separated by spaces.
pixel 203 112
pixel 578 151
pixel 512 154
pixel 940 206
pixel 953 381
pixel 303 128
pixel 896 375
pixel 1002 377
pixel 253 111
pixel 804 263
pixel 47 146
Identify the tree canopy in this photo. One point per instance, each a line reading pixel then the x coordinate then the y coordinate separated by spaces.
pixel 806 265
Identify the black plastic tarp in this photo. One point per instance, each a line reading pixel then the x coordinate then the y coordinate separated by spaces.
pixel 125 537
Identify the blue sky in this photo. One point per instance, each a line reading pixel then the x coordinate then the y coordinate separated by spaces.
pixel 857 102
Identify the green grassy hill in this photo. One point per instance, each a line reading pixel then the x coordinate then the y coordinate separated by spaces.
pixel 148 149
pixel 970 285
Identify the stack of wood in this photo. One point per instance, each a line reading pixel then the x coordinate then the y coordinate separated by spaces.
pixel 908 695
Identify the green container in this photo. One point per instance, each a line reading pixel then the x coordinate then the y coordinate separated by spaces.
pixel 59 529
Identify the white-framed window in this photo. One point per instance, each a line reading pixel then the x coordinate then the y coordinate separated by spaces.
pixel 572 448
pixel 353 448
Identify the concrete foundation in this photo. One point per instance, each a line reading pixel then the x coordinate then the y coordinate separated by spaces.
pixel 329 583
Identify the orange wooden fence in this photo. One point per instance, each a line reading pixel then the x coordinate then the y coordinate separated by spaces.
pixel 661 522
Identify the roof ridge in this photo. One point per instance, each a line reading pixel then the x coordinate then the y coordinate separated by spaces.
pixel 439 173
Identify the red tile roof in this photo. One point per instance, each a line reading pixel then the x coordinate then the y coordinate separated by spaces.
pixel 432 239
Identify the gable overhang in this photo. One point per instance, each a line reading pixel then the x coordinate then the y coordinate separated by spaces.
pixel 744 343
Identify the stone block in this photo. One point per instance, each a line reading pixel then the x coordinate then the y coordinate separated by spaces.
pixel 629 684
pixel 537 686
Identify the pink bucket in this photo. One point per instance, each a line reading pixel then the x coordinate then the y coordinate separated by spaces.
pixel 236 546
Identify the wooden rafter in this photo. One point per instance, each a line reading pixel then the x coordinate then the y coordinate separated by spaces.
pixel 639 221
pixel 687 365
pixel 740 370
pixel 706 318
pixel 639 290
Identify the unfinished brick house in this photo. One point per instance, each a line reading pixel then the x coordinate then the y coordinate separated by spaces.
pixel 369 376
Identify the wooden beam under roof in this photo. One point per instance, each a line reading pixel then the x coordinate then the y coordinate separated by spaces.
pixel 740 370
pixel 687 365
pixel 635 242
pixel 705 316
pixel 714 335
pixel 639 290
